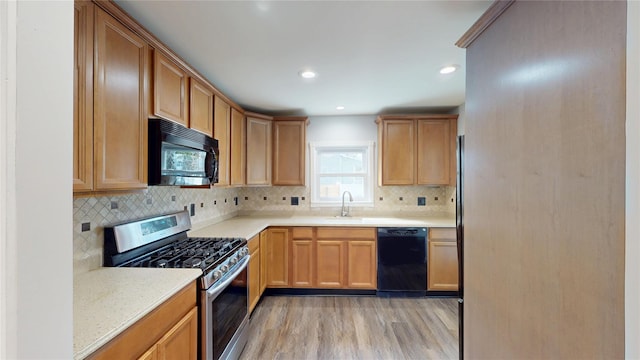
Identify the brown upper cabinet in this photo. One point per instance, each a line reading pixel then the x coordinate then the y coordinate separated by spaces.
pixel 200 107
pixel 417 149
pixel 222 132
pixel 289 142
pixel 117 152
pixel 238 147
pixel 83 97
pixel 258 149
pixel 169 90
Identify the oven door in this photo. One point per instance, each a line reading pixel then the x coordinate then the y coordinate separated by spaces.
pixel 224 316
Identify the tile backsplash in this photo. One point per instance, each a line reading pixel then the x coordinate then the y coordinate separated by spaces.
pixel 216 204
pixel 211 205
pixel 387 199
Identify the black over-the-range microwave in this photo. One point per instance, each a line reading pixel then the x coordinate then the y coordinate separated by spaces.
pixel 181 156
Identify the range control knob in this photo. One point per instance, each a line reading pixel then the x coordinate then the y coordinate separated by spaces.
pixel 217 274
pixel 224 268
pixel 234 260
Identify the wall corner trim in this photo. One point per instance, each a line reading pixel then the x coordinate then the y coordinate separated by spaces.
pixel 493 12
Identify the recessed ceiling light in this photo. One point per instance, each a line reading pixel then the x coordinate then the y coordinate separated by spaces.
pixel 307 74
pixel 448 69
pixel 340 107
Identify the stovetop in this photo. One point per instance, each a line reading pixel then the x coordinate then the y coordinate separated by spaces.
pixel 162 242
pixel 189 253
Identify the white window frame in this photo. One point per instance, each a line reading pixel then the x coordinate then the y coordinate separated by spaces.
pixel 320 146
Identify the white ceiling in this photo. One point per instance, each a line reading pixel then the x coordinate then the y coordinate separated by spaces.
pixel 371 56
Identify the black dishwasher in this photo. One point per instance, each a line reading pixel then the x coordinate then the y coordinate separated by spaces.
pixel 402 261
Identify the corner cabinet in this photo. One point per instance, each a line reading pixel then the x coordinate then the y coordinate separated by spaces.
pixel 442 271
pixel 289 143
pixel 120 112
pixel 417 149
pixel 258 139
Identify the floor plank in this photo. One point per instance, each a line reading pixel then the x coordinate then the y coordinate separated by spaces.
pixel 363 327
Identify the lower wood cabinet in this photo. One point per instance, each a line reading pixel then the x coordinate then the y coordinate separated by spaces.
pixel 278 257
pixel 442 268
pixel 264 234
pixel 302 257
pixel 346 258
pixel 254 272
pixel 313 257
pixel 362 271
pixel 168 332
pixel 330 263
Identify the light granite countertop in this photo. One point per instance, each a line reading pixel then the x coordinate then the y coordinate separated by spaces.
pixel 109 300
pixel 249 226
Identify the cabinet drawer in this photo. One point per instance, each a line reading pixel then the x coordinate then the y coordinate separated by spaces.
pixel 253 244
pixel 442 234
pixel 347 233
pixel 302 233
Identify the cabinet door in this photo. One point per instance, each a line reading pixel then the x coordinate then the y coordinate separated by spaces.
pixel 221 119
pixel 238 148
pixel 442 272
pixel 83 96
pixel 330 264
pixel 302 256
pixel 200 107
pixel 151 354
pixel 169 90
pixel 258 151
pixel 434 152
pixel 362 270
pixel 288 152
pixel 278 258
pixel 181 342
pixel 263 260
pixel 254 272
pixel 120 116
pixel 397 152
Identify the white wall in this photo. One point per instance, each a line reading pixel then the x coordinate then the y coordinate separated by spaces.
pixel 632 213
pixel 342 128
pixel 7 110
pixel 37 189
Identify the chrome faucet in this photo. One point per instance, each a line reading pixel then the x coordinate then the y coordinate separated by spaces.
pixel 346 212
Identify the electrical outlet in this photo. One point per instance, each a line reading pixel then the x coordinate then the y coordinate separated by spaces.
pixel 86 226
pixel 294 200
pixel 192 211
pixel 235 200
pixel 422 201
pixel 114 205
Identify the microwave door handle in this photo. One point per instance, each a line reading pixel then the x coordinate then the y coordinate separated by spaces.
pixel 214 291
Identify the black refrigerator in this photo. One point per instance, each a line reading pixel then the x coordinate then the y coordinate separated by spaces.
pixel 460 238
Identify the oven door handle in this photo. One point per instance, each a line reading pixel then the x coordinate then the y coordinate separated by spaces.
pixel 214 291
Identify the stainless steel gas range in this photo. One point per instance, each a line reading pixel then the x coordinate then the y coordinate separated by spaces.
pixel 162 242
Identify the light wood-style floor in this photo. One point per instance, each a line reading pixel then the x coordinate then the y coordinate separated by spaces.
pixel 327 327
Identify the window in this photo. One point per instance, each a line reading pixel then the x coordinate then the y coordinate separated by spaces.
pixel 339 167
